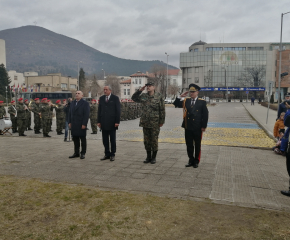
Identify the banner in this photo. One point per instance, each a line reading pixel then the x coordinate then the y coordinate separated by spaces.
pixel 233 89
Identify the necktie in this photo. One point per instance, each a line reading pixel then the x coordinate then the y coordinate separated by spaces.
pixel 106 98
pixel 192 102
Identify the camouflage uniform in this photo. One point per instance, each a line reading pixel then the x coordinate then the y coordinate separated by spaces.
pixel 50 119
pixel 13 117
pixel 123 111
pixel 60 118
pixel 21 118
pixel 94 117
pixel 2 112
pixel 37 120
pixel 28 118
pixel 45 118
pixel 152 116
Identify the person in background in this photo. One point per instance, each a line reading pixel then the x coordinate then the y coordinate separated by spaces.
pixel 21 117
pixel 94 116
pixel 252 101
pixel 2 110
pixel 279 124
pixel 28 115
pixel 66 109
pixel 37 120
pixel 282 106
pixel 13 116
pixel 276 149
pixel 60 116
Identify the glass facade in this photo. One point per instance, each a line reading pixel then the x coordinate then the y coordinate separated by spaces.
pixel 232 68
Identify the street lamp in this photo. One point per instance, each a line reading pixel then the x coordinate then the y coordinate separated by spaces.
pixel 280 53
pixel 79 74
pixel 226 82
pixel 166 92
pixel 104 73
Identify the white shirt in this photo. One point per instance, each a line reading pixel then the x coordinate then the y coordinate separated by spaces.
pixel 108 97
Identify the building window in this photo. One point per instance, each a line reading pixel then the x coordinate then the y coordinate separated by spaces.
pixel 255 48
pixel 196 69
pixel 73 86
pixel 139 80
pixel 196 79
pixel 174 81
pixel 128 92
pixel 189 70
pixel 188 80
pixel 214 49
pixel 15 78
pixel 234 49
pixel 63 85
pixel 195 50
pixel 184 80
pixel 46 89
pixel 48 84
pixel 124 91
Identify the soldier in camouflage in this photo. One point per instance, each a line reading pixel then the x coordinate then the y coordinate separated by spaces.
pixel 60 117
pixel 94 116
pixel 123 110
pixel 13 116
pixel 28 115
pixel 37 120
pixel 45 116
pixel 152 118
pixel 50 115
pixel 21 117
pixel 2 110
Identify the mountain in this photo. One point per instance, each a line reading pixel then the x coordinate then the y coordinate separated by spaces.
pixel 33 48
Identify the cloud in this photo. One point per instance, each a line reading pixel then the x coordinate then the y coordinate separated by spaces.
pixel 135 29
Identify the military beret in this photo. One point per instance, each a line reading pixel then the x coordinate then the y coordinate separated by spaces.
pixel 94 100
pixel 48 100
pixel 1 102
pixel 12 101
pixel 26 100
pixel 64 100
pixel 57 101
pixel 35 99
pixel 43 99
pixel 193 87
pixel 149 84
pixel 20 99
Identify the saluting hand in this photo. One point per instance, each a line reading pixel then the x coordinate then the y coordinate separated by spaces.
pixel 184 94
pixel 142 89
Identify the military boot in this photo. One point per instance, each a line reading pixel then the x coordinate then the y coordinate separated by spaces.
pixel 148 159
pixel 153 160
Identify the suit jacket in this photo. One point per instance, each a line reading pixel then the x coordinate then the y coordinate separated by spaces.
pixel 78 116
pixel 109 113
pixel 194 117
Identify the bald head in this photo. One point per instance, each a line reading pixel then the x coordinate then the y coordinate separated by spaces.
pixel 79 95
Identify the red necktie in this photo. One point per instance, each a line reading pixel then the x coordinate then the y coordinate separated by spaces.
pixel 106 98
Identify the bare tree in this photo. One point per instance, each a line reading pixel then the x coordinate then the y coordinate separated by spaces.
pixel 95 87
pixel 113 81
pixel 159 78
pixel 208 79
pixel 173 89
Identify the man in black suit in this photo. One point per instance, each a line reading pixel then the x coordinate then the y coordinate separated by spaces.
pixel 109 120
pixel 195 118
pixel 78 119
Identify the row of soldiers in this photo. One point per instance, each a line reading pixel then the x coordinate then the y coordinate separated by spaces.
pixel 130 110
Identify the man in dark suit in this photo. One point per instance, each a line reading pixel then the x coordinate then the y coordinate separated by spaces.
pixel 78 119
pixel 195 118
pixel 109 120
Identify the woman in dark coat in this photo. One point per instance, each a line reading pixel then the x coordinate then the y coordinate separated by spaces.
pixel 78 120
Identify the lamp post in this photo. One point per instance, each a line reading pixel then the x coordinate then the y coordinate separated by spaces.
pixel 104 73
pixel 79 74
pixel 166 92
pixel 280 53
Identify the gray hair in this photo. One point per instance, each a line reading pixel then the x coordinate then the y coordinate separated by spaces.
pixel 109 87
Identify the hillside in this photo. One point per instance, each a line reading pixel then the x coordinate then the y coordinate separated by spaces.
pixel 32 48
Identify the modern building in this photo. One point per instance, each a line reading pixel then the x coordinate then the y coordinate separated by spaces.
pixel 51 83
pixel 285 68
pixel 230 66
pixel 2 52
pixel 17 79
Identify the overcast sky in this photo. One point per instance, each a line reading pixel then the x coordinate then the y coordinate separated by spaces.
pixel 145 30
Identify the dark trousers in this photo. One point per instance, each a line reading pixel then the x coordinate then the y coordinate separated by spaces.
pixel 77 144
pixel 288 163
pixel 193 140
pixel 112 135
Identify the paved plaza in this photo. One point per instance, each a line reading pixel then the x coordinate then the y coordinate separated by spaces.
pixel 237 166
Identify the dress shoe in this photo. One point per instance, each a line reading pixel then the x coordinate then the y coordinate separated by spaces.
pixel 195 165
pixel 74 155
pixel 112 158
pixel 286 193
pixel 94 133
pixel 105 158
pixel 29 129
pixel 189 164
pixel 82 156
pixel 46 135
pixel 65 140
pixel 22 135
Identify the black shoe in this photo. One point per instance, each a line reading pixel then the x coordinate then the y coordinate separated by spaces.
pixel 148 159
pixel 153 160
pixel 105 157
pixel 112 158
pixel 29 129
pixel 286 193
pixel 190 162
pixel 74 155
pixel 46 135
pixel 65 140
pixel 195 165
pixel 94 133
pixel 82 156
pixel 37 132
pixel 58 133
pixel 61 133
pixel 51 130
pixel 22 135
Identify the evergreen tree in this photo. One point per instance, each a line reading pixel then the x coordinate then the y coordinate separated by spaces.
pixel 82 79
pixel 4 80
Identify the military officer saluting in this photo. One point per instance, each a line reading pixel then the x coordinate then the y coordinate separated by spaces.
pixel 195 118
pixel 13 116
pixel 94 116
pixel 152 118
pixel 21 117
pixel 28 115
